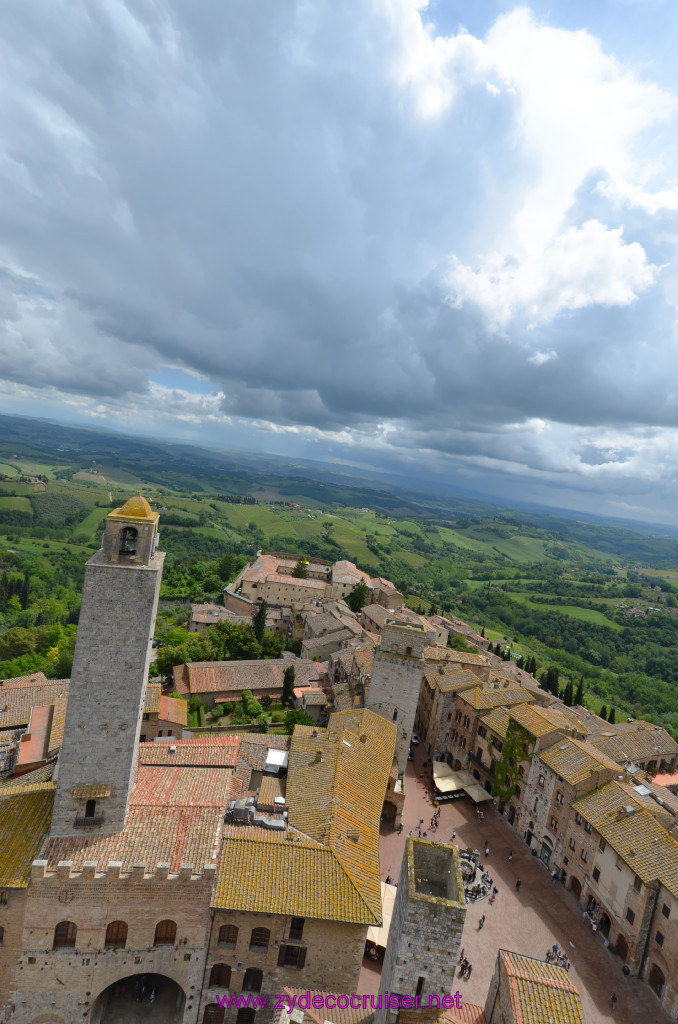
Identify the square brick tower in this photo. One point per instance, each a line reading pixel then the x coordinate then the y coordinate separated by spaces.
pixel 426 926
pixel 396 680
pixel 98 756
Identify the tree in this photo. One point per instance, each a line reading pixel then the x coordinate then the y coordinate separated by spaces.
pixel 288 686
pixel 603 712
pixel 358 597
pixel 579 695
pixel 568 697
pixel 259 621
pixel 612 718
pixel 300 570
pixel 482 632
pixel 296 717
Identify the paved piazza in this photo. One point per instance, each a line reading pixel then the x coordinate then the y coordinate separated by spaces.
pixel 527 922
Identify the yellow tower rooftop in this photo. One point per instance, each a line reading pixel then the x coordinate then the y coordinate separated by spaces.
pixel 135 508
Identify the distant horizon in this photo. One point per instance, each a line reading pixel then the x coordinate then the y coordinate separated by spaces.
pixel 421 490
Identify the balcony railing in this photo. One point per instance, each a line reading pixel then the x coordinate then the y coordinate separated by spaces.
pixel 89 822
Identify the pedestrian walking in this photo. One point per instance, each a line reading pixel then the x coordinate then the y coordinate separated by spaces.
pixel 487 850
pixel 518 885
pixel 481 923
pixel 613 1001
pixel 554 876
pixel 468 972
pixel 461 955
pixel 454 835
pixel 510 854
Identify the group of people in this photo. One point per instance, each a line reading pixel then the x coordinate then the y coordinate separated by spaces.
pixel 465 967
pixel 556 956
pixel 435 820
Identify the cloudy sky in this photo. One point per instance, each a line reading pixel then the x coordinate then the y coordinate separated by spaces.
pixel 439 238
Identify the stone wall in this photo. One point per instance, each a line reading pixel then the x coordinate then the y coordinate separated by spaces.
pixel 106 695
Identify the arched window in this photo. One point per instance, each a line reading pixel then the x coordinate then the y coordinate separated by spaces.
pixel 214 1014
pixel 128 541
pixel 116 934
pixel 90 808
pixel 408 652
pixel 395 715
pixel 165 933
pixel 64 935
pixel 228 936
pixel 245 1015
pixel 253 980
pixel 259 940
pixel 220 975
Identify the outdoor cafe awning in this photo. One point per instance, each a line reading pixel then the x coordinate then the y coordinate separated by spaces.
pixel 379 936
pixel 477 793
pixel 446 780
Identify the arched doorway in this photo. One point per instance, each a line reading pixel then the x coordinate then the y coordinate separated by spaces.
pixel 511 814
pixel 622 947
pixel 575 886
pixel 604 925
pixel 390 811
pixel 130 1000
pixel 656 980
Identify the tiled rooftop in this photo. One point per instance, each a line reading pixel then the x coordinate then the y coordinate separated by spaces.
pixel 25 813
pixel 489 697
pixel 634 833
pixel 327 863
pixel 641 742
pixel 540 993
pixel 575 760
pixel 152 698
pixel 236 676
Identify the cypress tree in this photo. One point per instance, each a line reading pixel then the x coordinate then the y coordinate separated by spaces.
pixel 579 696
pixel 612 718
pixel 603 712
pixel 259 621
pixel 568 694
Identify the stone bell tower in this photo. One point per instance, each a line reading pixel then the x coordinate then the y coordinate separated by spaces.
pixel 98 755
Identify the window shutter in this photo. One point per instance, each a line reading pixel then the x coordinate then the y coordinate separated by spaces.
pixel 301 959
pixel 281 956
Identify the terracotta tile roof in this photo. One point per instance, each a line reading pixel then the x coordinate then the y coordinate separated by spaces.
pixel 364 661
pixel 271 788
pixel 236 676
pixel 329 867
pixel 58 722
pixel 488 697
pixel 34 778
pixel 497 720
pixel 314 698
pixel 90 792
pixel 152 835
pixel 32 679
pixel 164 786
pixel 468 1013
pixel 450 655
pixel 336 1016
pixel 152 698
pixel 575 760
pixel 642 742
pixel 538 721
pixel 634 834
pixel 539 993
pixel 203 751
pixel 451 680
pixel 173 710
pixel 25 814
pixel 17 702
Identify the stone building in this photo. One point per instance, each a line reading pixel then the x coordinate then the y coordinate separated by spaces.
pixel 427 923
pixel 440 686
pixel 215 682
pixel 523 989
pixel 396 679
pixel 222 864
pixel 110 669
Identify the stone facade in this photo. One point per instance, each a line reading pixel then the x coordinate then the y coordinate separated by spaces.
pixel 299 952
pixel 106 694
pixel 92 900
pixel 396 681
pixel 427 923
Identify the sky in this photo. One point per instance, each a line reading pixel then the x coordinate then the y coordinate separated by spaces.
pixel 434 239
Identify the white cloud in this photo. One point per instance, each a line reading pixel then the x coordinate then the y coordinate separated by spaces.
pixel 621 191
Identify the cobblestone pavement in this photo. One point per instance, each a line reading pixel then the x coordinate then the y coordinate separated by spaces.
pixel 528 921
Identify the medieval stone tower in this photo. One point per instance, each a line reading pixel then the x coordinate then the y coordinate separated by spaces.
pixel 106 697
pixel 428 919
pixel 396 680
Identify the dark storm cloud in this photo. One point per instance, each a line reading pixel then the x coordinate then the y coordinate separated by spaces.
pixel 338 219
